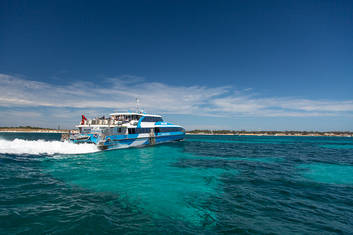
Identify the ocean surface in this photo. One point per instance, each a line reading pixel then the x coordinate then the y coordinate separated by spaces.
pixel 203 185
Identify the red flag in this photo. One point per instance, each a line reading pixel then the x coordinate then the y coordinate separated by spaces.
pixel 83 119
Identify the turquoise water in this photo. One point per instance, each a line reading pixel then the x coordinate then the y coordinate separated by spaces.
pixel 147 179
pixel 205 184
pixel 337 146
pixel 329 173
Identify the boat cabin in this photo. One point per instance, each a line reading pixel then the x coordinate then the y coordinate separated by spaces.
pixel 117 123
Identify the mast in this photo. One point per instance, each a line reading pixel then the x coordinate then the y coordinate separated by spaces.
pixel 137 105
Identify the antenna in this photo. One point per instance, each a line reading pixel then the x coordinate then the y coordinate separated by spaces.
pixel 138 105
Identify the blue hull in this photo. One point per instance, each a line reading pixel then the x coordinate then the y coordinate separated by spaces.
pixel 143 141
pixel 127 141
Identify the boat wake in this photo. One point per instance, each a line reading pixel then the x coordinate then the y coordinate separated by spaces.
pixel 38 147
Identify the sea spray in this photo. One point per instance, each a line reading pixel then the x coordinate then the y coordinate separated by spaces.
pixel 37 147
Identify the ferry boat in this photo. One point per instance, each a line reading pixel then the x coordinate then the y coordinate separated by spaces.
pixel 126 129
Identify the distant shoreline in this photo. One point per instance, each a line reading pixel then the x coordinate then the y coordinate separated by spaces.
pixel 25 130
pixel 324 134
pixel 59 132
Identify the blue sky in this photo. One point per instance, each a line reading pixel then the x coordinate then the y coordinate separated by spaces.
pixel 269 65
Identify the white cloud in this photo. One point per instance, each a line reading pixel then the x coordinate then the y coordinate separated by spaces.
pixel 120 93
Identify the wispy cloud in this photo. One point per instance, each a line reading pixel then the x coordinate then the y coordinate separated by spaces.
pixel 119 94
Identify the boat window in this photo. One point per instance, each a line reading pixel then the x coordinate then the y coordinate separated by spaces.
pixel 152 119
pixel 132 130
pixel 171 129
pixel 85 130
pixel 143 130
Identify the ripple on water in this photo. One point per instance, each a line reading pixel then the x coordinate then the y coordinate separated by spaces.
pixel 337 146
pixel 328 173
pixel 246 159
pixel 147 178
pixel 230 141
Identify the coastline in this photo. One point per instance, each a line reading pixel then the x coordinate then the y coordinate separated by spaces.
pixel 278 134
pixel 33 131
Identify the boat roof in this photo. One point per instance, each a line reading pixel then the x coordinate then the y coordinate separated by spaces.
pixel 140 114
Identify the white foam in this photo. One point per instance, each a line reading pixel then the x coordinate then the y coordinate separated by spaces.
pixel 36 147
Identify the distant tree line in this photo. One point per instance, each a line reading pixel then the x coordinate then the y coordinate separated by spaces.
pixel 26 127
pixel 236 132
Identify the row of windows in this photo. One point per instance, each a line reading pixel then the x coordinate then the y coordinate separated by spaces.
pixel 156 130
pixel 168 129
pixel 139 130
pixel 152 119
